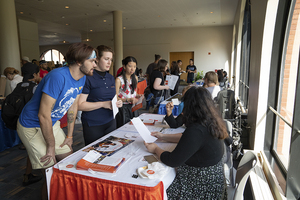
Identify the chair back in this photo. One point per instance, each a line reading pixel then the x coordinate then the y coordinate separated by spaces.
pixel 246 165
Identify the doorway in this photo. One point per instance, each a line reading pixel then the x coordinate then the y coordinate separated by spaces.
pixel 185 57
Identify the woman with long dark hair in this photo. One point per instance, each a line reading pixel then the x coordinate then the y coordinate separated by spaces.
pixel 126 88
pixel 198 154
pixel 157 83
pixel 175 71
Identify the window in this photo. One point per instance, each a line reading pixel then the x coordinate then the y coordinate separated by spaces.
pixel 245 56
pixel 53 55
pixel 287 89
pixel 282 141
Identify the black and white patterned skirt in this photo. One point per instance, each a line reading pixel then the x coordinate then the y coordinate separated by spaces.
pixel 199 183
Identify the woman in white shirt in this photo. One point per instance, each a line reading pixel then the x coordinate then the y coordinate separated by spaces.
pixel 13 75
pixel 211 83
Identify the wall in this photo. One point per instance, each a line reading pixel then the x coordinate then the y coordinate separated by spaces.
pixel 29 39
pixel 143 44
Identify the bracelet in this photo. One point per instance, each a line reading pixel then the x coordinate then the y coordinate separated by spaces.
pixel 70 137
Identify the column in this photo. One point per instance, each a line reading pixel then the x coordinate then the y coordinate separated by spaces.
pixel 118 41
pixel 9 48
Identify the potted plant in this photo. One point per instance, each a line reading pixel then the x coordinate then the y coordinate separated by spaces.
pixel 199 76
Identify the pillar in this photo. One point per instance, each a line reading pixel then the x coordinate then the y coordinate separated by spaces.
pixel 9 48
pixel 118 41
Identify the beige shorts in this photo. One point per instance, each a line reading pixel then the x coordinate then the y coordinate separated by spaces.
pixel 35 144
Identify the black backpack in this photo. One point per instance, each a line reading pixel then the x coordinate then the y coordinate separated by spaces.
pixel 226 103
pixel 14 103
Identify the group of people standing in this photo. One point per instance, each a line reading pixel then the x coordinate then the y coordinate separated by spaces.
pixel 85 84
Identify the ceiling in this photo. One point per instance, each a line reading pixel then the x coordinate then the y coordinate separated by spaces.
pixel 57 23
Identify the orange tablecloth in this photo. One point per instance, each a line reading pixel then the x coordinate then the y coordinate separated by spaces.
pixel 70 186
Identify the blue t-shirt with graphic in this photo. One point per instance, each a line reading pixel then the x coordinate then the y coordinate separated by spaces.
pixel 60 85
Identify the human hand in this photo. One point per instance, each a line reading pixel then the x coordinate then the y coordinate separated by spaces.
pixel 134 100
pixel 107 105
pixel 151 147
pixel 50 155
pixel 169 108
pixel 157 134
pixel 119 103
pixel 67 141
pixel 167 87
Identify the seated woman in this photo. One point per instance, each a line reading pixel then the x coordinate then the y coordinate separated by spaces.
pixel 178 121
pixel 198 154
pixel 126 87
pixel 211 83
pixel 157 83
pixel 12 74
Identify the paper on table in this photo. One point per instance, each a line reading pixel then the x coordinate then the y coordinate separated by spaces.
pixel 114 106
pixel 175 102
pixel 143 130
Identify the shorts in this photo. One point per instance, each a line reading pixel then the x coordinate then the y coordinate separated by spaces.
pixel 35 144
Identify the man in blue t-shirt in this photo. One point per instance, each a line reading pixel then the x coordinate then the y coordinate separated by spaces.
pixel 57 94
pixel 191 70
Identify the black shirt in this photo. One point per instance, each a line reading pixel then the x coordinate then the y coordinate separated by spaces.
pixel 174 122
pixel 192 68
pixel 196 147
pixel 156 74
pixel 150 68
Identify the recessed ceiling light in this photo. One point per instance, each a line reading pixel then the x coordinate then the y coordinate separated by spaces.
pixel 67 24
pixel 104 20
pixel 91 30
pixel 63 17
pixel 211 12
pixel 21 13
pixel 67 7
pixel 124 27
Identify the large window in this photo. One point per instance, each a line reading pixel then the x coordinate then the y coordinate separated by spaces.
pixel 245 56
pixel 53 55
pixel 282 131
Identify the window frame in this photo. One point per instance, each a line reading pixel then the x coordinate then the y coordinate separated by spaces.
pixel 288 179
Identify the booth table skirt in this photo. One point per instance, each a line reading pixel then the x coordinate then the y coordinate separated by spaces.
pixel 70 186
pixel 8 138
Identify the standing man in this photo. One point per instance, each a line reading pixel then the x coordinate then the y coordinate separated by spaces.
pixel 38 126
pixel 43 68
pixel 151 67
pixel 191 70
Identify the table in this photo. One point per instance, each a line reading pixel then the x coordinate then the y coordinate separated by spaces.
pixel 162 106
pixel 8 138
pixel 81 184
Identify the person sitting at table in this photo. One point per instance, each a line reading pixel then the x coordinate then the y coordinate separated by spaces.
pixel 12 74
pixel 95 99
pixel 169 118
pixel 211 83
pixel 157 83
pixel 198 154
pixel 126 88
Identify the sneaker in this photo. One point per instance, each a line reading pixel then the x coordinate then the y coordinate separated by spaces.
pixel 30 178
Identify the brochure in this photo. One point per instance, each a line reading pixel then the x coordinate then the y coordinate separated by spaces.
pixel 171 81
pixel 97 162
pixel 110 145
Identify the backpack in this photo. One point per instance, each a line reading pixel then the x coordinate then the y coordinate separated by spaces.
pixel 14 103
